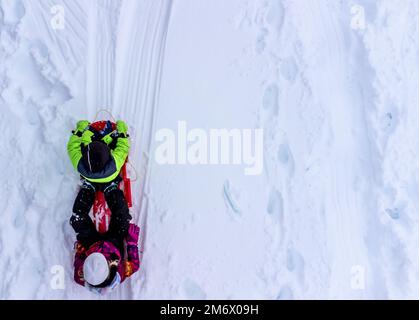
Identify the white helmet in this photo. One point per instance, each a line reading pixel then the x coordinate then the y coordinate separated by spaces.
pixel 95 269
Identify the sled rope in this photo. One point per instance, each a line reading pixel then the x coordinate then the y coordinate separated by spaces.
pixel 135 171
pixel 105 111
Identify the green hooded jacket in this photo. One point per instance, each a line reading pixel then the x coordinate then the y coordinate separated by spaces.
pixel 111 170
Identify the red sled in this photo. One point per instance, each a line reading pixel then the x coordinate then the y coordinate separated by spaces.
pixel 101 212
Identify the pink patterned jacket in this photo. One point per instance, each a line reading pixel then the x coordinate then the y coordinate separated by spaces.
pixel 126 268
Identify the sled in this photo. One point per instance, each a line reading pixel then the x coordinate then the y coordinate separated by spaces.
pixel 101 212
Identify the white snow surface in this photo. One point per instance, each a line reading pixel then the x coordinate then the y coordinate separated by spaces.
pixel 339 195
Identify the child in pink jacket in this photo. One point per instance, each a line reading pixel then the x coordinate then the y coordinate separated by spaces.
pixel 102 266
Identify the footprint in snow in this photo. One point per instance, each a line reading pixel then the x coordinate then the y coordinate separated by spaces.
pixel 295 262
pixel 193 291
pixel 261 41
pixel 275 15
pixel 286 158
pixel 270 101
pixel 276 205
pixel 289 69
pixel 394 213
pixel 389 122
pixel 285 294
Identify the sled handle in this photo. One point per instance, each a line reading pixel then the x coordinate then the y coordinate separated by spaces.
pixel 105 111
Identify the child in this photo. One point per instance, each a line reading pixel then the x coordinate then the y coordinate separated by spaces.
pixel 99 257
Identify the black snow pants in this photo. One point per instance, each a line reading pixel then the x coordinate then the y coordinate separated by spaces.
pixel 120 216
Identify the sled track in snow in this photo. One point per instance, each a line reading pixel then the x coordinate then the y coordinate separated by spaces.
pixel 100 69
pixel 139 57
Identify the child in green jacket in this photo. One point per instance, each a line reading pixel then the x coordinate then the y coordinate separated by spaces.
pixel 99 167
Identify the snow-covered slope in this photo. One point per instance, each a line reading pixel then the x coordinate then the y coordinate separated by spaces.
pixel 334 214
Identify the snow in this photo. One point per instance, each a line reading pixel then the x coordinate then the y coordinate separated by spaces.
pixel 334 214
